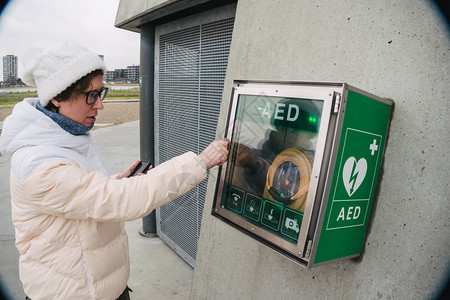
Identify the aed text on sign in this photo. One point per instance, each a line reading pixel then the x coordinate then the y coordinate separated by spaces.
pixel 347 214
pixel 352 213
pixel 292 112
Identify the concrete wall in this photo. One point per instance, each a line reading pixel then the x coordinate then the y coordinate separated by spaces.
pixel 133 14
pixel 131 9
pixel 393 49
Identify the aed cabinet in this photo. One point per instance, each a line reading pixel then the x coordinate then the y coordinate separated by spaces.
pixel 303 166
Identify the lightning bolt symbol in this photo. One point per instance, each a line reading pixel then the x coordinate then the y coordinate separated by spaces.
pixel 353 177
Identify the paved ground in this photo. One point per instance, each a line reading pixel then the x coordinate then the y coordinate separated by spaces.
pixel 156 271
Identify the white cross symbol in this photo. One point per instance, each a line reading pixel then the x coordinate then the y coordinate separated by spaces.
pixel 373 147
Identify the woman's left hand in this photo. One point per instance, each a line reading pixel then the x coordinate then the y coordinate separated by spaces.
pixel 128 171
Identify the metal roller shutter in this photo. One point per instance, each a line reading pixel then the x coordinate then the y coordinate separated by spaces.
pixel 191 71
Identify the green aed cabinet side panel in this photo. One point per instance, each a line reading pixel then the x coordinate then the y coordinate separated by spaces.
pixel 355 178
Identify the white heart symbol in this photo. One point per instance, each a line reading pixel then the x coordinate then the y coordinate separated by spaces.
pixel 353 174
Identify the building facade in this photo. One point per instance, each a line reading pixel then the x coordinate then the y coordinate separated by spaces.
pixel 10 69
pixel 128 75
pixel 132 73
pixel 395 50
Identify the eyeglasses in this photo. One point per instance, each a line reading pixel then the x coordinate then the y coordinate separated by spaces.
pixel 92 96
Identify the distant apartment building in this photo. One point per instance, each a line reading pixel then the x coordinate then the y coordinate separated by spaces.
pixel 129 75
pixel 132 72
pixel 10 69
pixel 109 76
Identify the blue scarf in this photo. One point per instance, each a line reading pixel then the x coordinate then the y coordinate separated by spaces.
pixel 65 123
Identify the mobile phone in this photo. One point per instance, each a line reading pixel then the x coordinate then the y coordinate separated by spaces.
pixel 142 167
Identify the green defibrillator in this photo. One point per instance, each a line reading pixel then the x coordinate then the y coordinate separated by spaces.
pixel 303 166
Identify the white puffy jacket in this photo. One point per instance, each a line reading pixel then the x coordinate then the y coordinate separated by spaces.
pixel 68 213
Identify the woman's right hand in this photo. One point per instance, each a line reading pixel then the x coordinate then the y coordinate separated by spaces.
pixel 215 154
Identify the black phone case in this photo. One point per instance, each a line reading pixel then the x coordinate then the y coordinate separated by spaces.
pixel 142 167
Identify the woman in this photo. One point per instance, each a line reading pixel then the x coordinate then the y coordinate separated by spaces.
pixel 67 212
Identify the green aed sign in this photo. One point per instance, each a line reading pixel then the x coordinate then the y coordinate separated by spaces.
pixel 303 166
pixel 360 158
pixel 355 178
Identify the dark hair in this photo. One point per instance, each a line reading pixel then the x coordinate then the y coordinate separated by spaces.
pixel 80 85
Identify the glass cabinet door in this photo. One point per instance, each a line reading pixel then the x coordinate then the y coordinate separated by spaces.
pixel 273 147
pixel 277 140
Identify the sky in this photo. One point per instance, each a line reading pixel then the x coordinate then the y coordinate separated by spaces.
pixel 89 23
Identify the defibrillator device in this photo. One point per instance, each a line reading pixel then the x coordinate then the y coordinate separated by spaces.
pixel 288 178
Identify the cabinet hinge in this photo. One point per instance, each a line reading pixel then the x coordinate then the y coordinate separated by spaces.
pixel 336 102
pixel 308 249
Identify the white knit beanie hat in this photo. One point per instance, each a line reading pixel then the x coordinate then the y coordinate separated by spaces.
pixel 55 69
